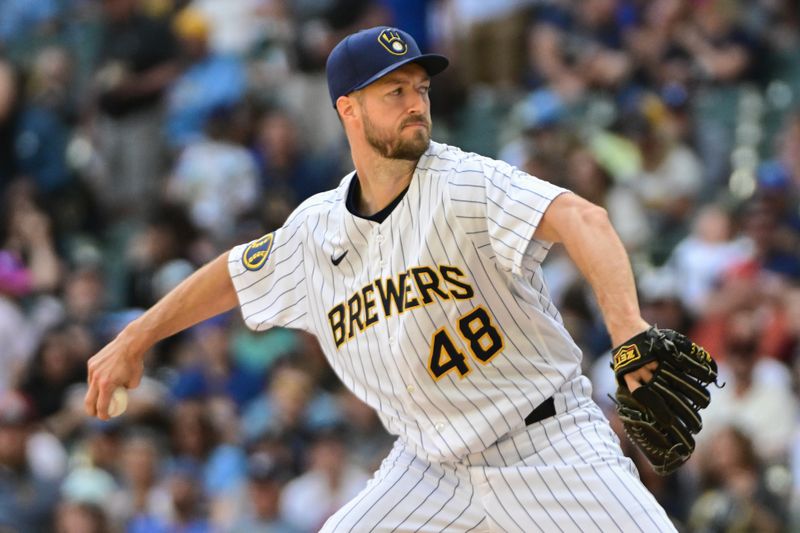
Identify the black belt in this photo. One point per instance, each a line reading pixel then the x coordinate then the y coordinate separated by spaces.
pixel 546 409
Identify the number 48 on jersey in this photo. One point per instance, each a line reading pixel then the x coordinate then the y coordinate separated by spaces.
pixel 479 333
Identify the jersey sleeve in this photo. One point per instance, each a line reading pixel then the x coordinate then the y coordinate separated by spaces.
pixel 501 206
pixel 269 277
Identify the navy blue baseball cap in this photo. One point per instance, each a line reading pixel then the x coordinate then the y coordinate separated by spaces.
pixel 363 57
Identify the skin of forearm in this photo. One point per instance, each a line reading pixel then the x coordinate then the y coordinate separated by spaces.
pixel 598 253
pixel 206 293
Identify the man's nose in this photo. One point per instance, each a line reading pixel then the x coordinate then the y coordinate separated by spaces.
pixel 417 103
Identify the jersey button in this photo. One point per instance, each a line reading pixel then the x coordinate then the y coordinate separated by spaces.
pixel 379 238
pixel 391 340
pixel 411 389
pixel 439 426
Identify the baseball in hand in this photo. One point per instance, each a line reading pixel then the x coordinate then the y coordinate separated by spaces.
pixel 119 402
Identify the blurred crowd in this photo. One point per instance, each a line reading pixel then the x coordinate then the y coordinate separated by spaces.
pixel 141 138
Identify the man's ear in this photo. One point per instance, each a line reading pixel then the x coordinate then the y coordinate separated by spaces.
pixel 345 105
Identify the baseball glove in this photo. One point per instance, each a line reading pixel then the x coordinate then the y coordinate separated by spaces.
pixel 662 416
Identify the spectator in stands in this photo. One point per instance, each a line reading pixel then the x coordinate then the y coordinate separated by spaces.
pixel 650 44
pixel 19 18
pixel 288 166
pixel 290 405
pixel 43 130
pixel 141 493
pixel 755 386
pixel 587 178
pixel 86 301
pixel 717 53
pixel 791 311
pixel 671 175
pixel 702 257
pixel 576 47
pixel 167 234
pixel 265 481
pixel 17 338
pixel 189 510
pixel 208 369
pixel 238 26
pixel 138 61
pixel 754 282
pixel 331 481
pixel 718 45
pixel 102 444
pixel 59 363
pixel 367 441
pixel 216 178
pixel 29 266
pixel 786 149
pixel 9 113
pixel 26 499
pixel 778 191
pixel 209 81
pixel 33 129
pixel 488 41
pixel 75 517
pixel 736 495
pixel 31 263
pixel 220 465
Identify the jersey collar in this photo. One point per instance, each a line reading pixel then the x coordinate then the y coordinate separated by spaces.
pixel 352 193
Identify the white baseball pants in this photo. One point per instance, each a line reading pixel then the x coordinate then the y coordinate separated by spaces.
pixel 566 473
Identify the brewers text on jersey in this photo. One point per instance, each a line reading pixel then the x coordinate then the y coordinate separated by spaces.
pixel 396 295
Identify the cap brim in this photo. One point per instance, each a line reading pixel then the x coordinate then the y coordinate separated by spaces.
pixel 432 63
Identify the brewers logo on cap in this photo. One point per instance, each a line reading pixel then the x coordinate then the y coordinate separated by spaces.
pixel 393 42
pixel 257 252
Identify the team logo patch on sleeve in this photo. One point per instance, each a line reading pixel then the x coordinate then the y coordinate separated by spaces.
pixel 257 252
pixel 625 356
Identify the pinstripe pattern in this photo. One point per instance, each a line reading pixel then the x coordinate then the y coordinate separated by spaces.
pixel 464 460
pixel 577 480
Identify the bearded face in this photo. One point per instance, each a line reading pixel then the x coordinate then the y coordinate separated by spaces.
pixel 394 112
pixel 408 141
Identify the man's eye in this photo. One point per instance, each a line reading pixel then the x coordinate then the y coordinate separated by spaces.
pixel 397 92
pixel 425 89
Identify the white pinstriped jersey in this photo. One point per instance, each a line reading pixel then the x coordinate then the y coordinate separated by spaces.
pixel 438 316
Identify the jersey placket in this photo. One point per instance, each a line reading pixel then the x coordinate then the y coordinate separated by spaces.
pixel 379 259
pixel 380 252
pixel 387 252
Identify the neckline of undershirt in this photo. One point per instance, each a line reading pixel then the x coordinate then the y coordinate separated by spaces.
pixel 352 194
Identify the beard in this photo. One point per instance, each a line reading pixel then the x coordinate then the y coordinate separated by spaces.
pixel 395 146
